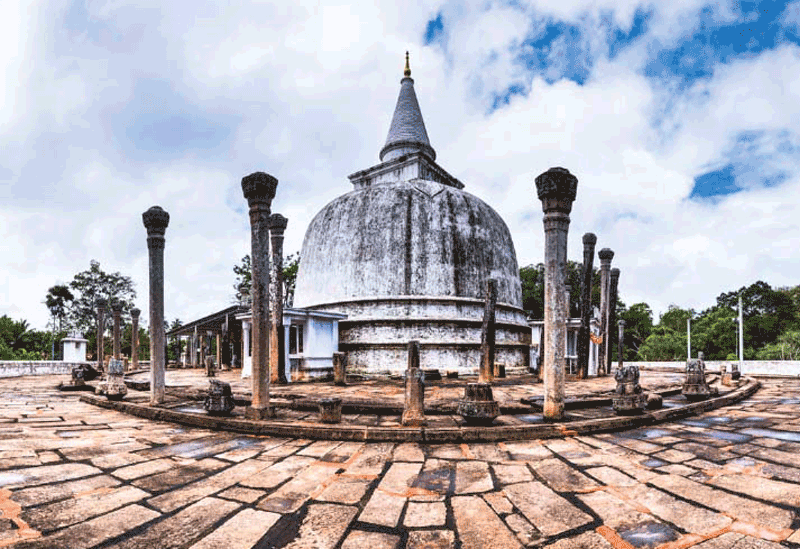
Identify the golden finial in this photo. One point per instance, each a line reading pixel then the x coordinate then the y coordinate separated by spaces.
pixel 407 71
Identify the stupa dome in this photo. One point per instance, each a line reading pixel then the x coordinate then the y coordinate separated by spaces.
pixel 406 255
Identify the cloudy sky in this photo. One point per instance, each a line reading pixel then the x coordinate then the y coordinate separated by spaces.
pixel 681 121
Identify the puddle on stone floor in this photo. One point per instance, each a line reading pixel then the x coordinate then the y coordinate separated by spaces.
pixel 191 410
pixel 771 433
pixel 649 534
pixel 647 433
pixel 11 478
pixel 653 462
pixel 531 418
pixel 725 435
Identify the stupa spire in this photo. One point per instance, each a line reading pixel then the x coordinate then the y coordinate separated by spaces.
pixel 407 132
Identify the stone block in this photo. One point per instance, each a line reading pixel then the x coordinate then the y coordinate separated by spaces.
pixel 478 407
pixel 330 410
pixel 499 369
pixel 219 401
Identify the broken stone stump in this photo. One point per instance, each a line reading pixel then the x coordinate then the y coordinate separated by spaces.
pixel 452 374
pixel 339 369
pixel 654 401
pixel 628 398
pixel 113 386
pixel 260 413
pixel 210 370
pixel 695 387
pixel 83 373
pixel 414 407
pixel 499 369
pixel 330 410
pixel 219 401
pixel 478 406
pixel 736 374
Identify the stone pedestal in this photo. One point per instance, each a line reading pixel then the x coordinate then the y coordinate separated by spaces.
pixel 330 410
pixel 654 401
pixel 736 374
pixel 556 188
pixel 156 221
pixel 629 398
pixel 81 374
pixel 478 406
pixel 210 368
pixel 414 404
pixel 219 401
pixel 695 386
pixel 259 190
pixel 113 386
pixel 339 369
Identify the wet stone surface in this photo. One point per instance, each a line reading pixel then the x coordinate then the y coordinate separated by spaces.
pixel 76 476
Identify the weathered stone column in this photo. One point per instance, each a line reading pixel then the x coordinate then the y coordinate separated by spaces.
pixel 155 221
pixel 135 338
pixel 486 372
pixel 612 307
pixel 219 352
pixel 589 241
pixel 101 324
pixel 259 190
pixel 116 309
pixel 605 255
pixel 621 344
pixel 277 226
pixel 414 408
pixel 339 369
pixel 556 189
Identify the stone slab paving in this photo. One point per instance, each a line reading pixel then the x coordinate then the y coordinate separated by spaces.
pixel 75 476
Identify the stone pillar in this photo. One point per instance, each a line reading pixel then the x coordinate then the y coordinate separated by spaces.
pixel 589 241
pixel 259 190
pixel 101 324
pixel 621 344
pixel 155 221
pixel 116 309
pixel 277 226
pixel 556 189
pixel 135 338
pixel 605 255
pixel 247 364
pixel 219 352
pixel 414 409
pixel 195 347
pixel 612 307
pixel 339 369
pixel 486 372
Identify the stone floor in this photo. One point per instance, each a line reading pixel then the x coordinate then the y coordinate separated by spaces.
pixel 75 476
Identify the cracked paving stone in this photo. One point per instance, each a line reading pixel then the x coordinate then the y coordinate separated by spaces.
pixel 424 514
pixel 346 490
pixel 323 526
pixel 587 540
pixel 277 473
pixel 359 539
pixel 733 540
pixel 45 474
pixel 383 509
pixel 525 531
pixel 431 539
pixel 241 531
pixel 547 511
pixel 478 527
pixel 292 495
pixel 473 477
pixel 691 518
pixel 511 474
pixel 39 495
pixel 561 477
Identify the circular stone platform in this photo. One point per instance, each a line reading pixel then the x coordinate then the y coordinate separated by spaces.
pixel 372 408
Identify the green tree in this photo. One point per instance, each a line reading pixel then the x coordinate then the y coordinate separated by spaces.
pixel 243 272
pixel 638 326
pixel 19 342
pixel 663 343
pixel 95 283
pixel 714 333
pixel 58 301
pixel 767 313
pixel 532 280
pixel 675 318
pixel 787 347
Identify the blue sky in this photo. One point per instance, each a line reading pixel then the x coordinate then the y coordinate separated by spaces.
pixel 681 121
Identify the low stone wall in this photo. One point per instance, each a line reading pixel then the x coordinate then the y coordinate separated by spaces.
pixel 17 368
pixel 750 367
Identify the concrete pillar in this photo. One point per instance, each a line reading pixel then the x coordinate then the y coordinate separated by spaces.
pixel 277 226
pixel 589 241
pixel 116 309
pixel 101 324
pixel 155 221
pixel 135 338
pixel 612 306
pixel 486 372
pixel 259 190
pixel 414 407
pixel 605 255
pixel 556 189
pixel 621 344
